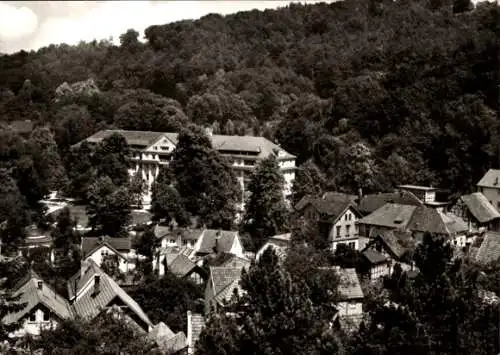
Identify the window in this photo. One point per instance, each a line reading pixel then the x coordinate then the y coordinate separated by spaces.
pixel 172 241
pixel 338 231
pixel 46 316
pixel 498 205
pixel 352 245
pixel 346 216
pixel 33 317
pixel 348 230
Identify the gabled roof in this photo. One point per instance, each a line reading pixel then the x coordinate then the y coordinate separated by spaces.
pixel 90 244
pixel 331 208
pixel 181 265
pixel 371 203
pixel 490 179
pixel 390 215
pixel 223 239
pixel 374 257
pixel 134 138
pixel 489 251
pixel 87 305
pixel 260 146
pixel 166 339
pixel 236 261
pixel 430 220
pixel 397 242
pixel 222 276
pixel 479 206
pixel 33 296
pixel 349 287
pixel 227 293
pixel 186 233
pixel 160 330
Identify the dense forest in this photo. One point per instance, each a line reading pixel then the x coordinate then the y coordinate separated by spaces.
pixel 369 93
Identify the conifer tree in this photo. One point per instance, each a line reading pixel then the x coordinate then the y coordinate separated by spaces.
pixel 266 211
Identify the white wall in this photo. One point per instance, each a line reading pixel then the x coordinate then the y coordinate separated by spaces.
pixel 34 327
pixel 350 308
pixel 345 230
pixel 99 254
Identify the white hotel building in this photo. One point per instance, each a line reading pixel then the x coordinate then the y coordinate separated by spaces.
pixel 150 150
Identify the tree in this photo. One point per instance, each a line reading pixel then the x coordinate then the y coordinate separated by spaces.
pixel 64 234
pixel 204 180
pixel 462 6
pixel 13 213
pixel 166 202
pixel 146 245
pixel 111 159
pixel 9 302
pixel 274 315
pixel 108 334
pixel 73 123
pixel 183 295
pixel 80 170
pixel 129 39
pixel 46 158
pixel 309 180
pixel 108 207
pixel 266 211
pixel 137 187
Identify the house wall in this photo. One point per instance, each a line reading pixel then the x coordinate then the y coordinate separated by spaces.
pixel 237 248
pixel 345 230
pixel 100 253
pixel 492 194
pixel 34 326
pixel 350 308
pixel 379 271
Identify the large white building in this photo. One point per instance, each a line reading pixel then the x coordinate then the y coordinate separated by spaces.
pixel 150 150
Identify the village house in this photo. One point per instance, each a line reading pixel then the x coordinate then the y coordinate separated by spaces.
pixel 350 304
pixel 91 291
pixel 203 241
pixel 370 203
pixel 489 249
pixel 426 194
pixel 179 264
pixel 195 324
pixel 477 212
pixel 223 282
pixel 167 341
pixel 44 307
pixel 151 150
pixel 386 249
pixel 279 243
pixel 336 215
pixel 102 249
pixel 489 186
pixel 417 220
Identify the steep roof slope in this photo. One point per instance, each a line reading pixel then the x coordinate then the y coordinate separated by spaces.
pixel 480 207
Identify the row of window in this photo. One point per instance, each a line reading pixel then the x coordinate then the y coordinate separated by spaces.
pixel 46 317
pixel 347 231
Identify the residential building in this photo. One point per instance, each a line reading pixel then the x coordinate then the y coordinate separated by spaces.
pixel 44 308
pixel 477 212
pixel 489 186
pixel 203 241
pixel 181 266
pixel 370 203
pixel 151 150
pixel 222 283
pixel 91 291
pixel 279 243
pixel 336 215
pixel 385 250
pixel 489 250
pixel 350 305
pixel 417 220
pixel 101 248
pixel 195 324
pixel 167 341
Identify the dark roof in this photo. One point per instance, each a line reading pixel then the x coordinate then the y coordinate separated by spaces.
pixel 490 179
pixel 390 215
pixel 30 294
pixel 330 208
pixel 489 251
pixel 339 195
pixel 370 203
pixel 418 187
pixel 87 305
pixel 397 242
pixel 430 220
pixel 181 265
pixel 480 207
pixel 374 257
pixel 134 138
pixel 89 244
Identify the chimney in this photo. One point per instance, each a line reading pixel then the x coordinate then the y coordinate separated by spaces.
pixel 496 181
pixel 39 285
pixel 217 237
pixel 97 284
pixel 360 194
pixel 83 267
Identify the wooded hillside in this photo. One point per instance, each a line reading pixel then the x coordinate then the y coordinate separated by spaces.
pixel 373 93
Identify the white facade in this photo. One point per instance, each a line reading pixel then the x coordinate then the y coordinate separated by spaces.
pixel 35 321
pixel 345 231
pixel 99 254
